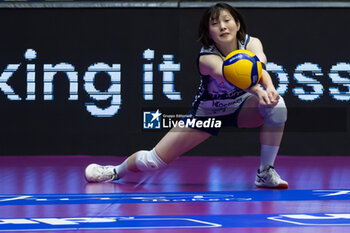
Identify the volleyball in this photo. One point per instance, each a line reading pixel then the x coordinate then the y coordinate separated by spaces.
pixel 242 68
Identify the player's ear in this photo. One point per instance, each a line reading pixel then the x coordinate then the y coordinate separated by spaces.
pixel 238 25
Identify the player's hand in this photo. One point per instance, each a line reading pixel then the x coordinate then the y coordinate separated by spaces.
pixel 263 97
pixel 268 97
pixel 272 95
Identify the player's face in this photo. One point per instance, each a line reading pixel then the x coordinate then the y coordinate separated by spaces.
pixel 224 28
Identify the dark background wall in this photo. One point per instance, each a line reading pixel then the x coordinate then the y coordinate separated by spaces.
pixel 307 46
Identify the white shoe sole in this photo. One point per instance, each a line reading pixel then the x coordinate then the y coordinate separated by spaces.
pixel 280 186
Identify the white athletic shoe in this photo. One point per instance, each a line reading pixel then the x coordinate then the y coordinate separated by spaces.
pixel 268 178
pixel 95 173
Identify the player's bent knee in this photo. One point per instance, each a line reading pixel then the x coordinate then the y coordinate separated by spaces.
pixel 276 115
pixel 149 160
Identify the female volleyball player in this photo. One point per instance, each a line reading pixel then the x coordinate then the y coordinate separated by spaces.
pixel 221 31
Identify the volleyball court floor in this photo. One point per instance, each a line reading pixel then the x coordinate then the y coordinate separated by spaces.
pixel 194 194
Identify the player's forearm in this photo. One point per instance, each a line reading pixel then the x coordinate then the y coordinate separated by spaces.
pixel 266 81
pixel 254 90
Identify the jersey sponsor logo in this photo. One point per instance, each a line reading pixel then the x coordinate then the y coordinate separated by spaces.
pixel 226 104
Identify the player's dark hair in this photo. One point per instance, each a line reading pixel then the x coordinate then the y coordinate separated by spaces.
pixel 214 13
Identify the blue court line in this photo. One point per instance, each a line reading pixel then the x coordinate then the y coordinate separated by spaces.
pixel 175 197
pixel 175 222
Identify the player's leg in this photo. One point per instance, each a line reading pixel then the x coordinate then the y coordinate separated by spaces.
pixel 272 120
pixel 176 142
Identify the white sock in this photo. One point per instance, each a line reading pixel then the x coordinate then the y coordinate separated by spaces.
pixel 122 169
pixel 267 156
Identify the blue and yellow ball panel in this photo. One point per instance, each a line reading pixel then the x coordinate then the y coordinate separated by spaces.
pixel 242 68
